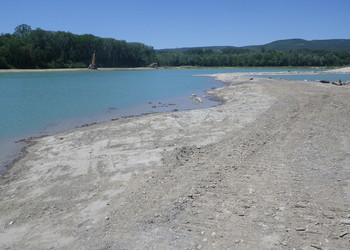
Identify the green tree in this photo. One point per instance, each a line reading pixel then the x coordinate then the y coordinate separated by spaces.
pixel 22 30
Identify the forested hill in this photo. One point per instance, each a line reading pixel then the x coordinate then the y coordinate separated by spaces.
pixel 293 44
pixel 288 44
pixel 292 52
pixel 27 48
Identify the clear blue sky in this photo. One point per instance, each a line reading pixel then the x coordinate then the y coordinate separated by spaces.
pixel 184 23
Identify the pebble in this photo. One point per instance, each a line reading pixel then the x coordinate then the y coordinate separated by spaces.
pixel 301 205
pixel 342 234
pixel 237 241
pixel 328 215
pixel 345 222
pixel 316 246
pixel 11 223
pixel 299 229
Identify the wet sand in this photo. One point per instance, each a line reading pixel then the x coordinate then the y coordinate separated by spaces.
pixel 268 169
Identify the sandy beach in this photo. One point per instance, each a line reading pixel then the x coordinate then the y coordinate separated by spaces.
pixel 345 70
pixel 67 70
pixel 268 169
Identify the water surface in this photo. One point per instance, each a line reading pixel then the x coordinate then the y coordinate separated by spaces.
pixel 40 103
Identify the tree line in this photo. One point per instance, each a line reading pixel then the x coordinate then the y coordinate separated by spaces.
pixel 235 57
pixel 27 48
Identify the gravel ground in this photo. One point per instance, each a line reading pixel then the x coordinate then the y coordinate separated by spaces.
pixel 268 169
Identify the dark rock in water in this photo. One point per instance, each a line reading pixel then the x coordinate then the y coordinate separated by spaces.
pixel 87 124
pixel 153 107
pixel 324 81
pixel 21 140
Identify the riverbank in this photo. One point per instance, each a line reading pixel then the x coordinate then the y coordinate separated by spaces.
pixel 68 70
pixel 268 169
pixel 340 70
pixel 46 103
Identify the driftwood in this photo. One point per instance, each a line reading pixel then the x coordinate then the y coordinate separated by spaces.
pixel 339 83
pixel 324 81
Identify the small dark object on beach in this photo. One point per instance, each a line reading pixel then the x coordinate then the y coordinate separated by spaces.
pixel 337 83
pixel 324 81
pixel 251 79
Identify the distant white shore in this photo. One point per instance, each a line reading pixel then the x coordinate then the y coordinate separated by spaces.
pixel 68 69
pixel 343 70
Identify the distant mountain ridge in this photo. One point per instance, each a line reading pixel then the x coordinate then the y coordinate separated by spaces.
pixel 292 44
pixel 288 44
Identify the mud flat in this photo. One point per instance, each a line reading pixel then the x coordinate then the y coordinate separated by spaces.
pixel 268 169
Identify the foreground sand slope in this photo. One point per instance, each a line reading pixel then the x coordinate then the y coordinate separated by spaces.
pixel 268 169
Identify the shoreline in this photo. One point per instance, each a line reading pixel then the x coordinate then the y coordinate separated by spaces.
pixel 251 173
pixel 176 104
pixel 339 70
pixel 69 70
pixel 28 141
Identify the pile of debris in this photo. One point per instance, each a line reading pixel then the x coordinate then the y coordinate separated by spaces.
pixel 337 83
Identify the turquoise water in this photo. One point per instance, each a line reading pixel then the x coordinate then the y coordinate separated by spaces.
pixel 34 104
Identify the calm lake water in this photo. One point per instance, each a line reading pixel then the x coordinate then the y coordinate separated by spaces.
pixel 35 104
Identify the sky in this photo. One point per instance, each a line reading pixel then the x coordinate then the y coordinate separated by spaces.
pixel 184 23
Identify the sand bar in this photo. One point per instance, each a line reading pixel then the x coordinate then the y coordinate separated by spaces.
pixel 268 169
